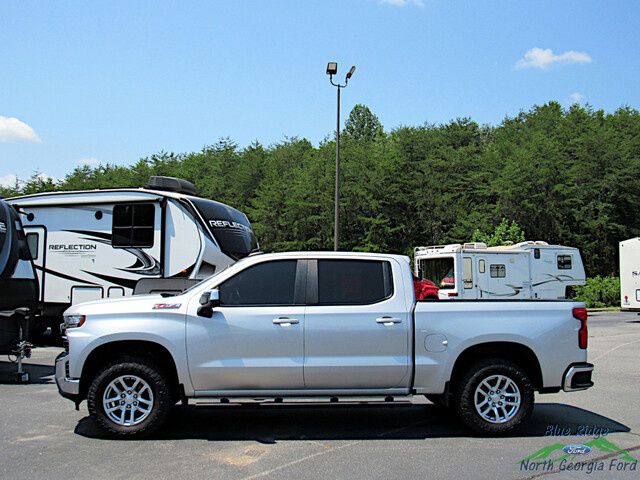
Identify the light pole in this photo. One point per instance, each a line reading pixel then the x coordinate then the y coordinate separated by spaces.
pixel 332 69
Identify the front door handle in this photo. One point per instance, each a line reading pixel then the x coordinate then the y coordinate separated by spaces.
pixel 388 320
pixel 285 321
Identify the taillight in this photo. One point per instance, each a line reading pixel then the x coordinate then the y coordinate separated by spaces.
pixel 581 314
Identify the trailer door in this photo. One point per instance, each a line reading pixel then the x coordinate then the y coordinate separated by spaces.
pixel 36 240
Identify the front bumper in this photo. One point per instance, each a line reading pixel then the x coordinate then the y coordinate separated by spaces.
pixel 68 387
pixel 577 377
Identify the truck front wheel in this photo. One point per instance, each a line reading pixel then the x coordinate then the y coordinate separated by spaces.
pixel 129 398
pixel 494 396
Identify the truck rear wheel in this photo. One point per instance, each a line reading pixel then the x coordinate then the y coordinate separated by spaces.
pixel 494 396
pixel 129 398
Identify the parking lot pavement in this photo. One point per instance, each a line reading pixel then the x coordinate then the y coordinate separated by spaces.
pixel 44 437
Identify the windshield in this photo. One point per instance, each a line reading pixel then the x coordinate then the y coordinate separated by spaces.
pixel 230 227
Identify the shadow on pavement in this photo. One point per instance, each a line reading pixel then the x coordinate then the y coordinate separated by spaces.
pixel 37 373
pixel 271 423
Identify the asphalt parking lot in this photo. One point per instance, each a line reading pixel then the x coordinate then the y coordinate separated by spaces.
pixel 44 437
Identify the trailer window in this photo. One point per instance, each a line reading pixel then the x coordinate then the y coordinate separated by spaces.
pixel 439 270
pixel 467 272
pixel 481 266
pixel 498 271
pixel 32 242
pixel 133 225
pixel 564 262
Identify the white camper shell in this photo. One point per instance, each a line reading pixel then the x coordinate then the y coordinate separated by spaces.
pixel 526 270
pixel 630 274
pixel 95 244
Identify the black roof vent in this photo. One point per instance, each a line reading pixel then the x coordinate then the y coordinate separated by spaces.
pixel 172 184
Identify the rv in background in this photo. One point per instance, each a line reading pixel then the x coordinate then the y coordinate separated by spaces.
pixel 630 274
pixel 95 244
pixel 523 270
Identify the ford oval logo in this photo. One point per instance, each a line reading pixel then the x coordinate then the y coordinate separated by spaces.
pixel 576 449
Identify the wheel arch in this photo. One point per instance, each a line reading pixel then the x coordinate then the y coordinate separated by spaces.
pixel 515 352
pixel 106 353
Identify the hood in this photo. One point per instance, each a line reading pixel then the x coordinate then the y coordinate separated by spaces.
pixel 135 303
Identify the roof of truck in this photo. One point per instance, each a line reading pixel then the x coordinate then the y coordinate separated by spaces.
pixel 328 254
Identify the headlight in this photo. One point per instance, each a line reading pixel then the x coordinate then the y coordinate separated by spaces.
pixel 74 321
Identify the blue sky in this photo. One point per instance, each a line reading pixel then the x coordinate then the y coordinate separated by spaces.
pixel 115 81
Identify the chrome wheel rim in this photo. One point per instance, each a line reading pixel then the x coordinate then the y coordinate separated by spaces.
pixel 127 400
pixel 497 399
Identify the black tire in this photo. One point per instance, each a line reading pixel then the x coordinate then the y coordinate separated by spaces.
pixel 466 388
pixel 163 399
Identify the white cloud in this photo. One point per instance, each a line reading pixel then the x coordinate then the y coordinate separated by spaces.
pixel 14 130
pixel 544 58
pixel 576 97
pixel 90 161
pixel 8 180
pixel 46 177
pixel 402 3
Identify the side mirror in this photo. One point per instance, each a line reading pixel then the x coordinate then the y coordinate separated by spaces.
pixel 209 300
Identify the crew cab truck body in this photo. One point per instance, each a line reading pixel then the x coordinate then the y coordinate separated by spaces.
pixel 322 325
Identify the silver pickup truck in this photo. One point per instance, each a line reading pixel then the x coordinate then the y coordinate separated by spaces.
pixel 326 325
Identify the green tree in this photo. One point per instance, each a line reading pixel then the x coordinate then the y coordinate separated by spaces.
pixel 362 124
pixel 503 234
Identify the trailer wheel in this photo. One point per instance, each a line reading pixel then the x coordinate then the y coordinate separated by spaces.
pixel 129 398
pixel 494 396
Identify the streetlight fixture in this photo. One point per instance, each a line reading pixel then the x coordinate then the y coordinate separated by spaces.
pixel 332 69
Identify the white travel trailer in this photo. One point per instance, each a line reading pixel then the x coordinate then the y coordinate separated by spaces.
pixel 630 274
pixel 106 243
pixel 523 270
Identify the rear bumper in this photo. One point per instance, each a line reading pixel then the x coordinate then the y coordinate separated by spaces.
pixel 577 377
pixel 68 387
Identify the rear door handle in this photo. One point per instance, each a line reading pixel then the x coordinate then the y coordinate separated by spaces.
pixel 388 320
pixel 285 321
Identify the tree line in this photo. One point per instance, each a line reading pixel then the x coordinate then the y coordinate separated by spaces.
pixel 563 175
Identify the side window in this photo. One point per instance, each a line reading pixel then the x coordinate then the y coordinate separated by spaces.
pixel 498 271
pixel 268 283
pixel 481 266
pixel 467 272
pixel 564 262
pixel 536 253
pixel 32 242
pixel 133 225
pixel 353 282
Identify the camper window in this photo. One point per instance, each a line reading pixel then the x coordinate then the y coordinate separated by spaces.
pixel 498 271
pixel 133 225
pixel 32 242
pixel 438 270
pixel 564 262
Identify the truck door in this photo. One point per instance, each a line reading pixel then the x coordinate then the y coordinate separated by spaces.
pixel 357 326
pixel 254 340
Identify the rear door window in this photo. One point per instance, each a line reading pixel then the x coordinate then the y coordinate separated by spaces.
pixel 353 282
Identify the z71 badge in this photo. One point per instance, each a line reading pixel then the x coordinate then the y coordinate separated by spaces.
pixel 166 306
